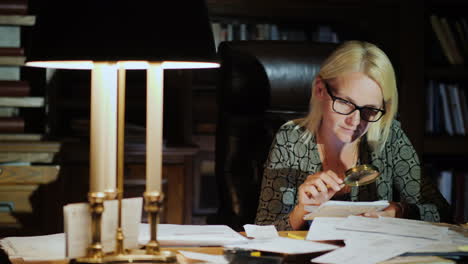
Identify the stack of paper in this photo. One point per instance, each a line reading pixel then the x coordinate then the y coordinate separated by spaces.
pixel 371 240
pixel 192 235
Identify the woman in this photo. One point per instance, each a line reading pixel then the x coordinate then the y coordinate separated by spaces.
pixel 351 121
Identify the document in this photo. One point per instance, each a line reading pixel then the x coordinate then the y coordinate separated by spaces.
pixel 367 251
pixel 324 228
pixel 285 246
pixel 258 231
pixel 395 226
pixel 77 225
pixel 192 235
pixel 343 208
pixel 49 247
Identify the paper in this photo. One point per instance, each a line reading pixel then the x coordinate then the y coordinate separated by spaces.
pixel 285 246
pixel 258 231
pixel 343 208
pixel 77 224
pixel 394 226
pixel 324 228
pixel 418 259
pixel 192 235
pixel 369 252
pixel 207 258
pixel 49 247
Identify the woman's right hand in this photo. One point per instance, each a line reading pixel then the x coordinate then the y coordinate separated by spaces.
pixel 319 188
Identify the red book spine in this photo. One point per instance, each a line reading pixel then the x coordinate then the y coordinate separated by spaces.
pixel 14 88
pixel 11 51
pixel 14 7
pixel 11 125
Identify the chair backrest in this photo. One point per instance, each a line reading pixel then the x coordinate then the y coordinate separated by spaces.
pixel 261 85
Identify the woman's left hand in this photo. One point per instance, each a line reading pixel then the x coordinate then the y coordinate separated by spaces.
pixel 393 210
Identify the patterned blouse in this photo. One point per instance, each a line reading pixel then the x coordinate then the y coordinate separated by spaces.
pixel 292 158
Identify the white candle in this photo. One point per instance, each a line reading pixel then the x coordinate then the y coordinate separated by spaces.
pixel 154 126
pixel 103 130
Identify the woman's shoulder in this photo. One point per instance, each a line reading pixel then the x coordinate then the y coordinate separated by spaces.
pixel 292 126
pixel 396 131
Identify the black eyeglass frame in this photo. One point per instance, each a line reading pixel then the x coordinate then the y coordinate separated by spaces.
pixel 356 107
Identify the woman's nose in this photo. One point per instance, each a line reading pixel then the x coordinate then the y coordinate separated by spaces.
pixel 354 118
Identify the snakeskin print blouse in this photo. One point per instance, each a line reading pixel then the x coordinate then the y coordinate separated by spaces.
pixel 292 158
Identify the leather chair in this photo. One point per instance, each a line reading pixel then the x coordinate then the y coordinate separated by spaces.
pixel 262 84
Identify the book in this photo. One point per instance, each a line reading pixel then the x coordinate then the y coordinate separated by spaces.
pixel 12 60
pixel 22 101
pixel 446 113
pixel 20 137
pixel 454 49
pixel 31 146
pixel 11 51
pixel 10 73
pixel 11 36
pixel 343 208
pixel 11 125
pixel 444 183
pixel 443 40
pixel 462 38
pixel 41 157
pixel 14 88
pixel 16 7
pixel 14 175
pixel 457 108
pixel 20 20
pixel 459 196
pixel 28 151
pixel 9 111
pixel 430 107
pixel 464 106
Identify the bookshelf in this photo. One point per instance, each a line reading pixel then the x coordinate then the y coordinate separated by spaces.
pixel 445 147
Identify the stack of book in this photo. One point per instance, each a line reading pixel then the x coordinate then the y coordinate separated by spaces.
pixel 14 92
pixel 25 159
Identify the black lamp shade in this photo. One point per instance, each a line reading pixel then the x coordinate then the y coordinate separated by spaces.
pixel 110 30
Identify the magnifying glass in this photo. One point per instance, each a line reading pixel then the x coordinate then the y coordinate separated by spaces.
pixel 361 175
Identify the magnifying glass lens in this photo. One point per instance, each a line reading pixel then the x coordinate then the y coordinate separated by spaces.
pixel 361 175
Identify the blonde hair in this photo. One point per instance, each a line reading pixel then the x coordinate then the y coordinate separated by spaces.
pixel 367 58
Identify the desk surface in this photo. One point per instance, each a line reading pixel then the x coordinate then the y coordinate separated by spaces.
pixel 206 250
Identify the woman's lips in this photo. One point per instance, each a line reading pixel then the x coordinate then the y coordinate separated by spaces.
pixel 350 131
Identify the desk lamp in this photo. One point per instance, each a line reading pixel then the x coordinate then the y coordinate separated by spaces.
pixel 109 37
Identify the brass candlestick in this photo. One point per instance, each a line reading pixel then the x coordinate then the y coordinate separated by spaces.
pixel 96 206
pixel 153 202
pixel 152 252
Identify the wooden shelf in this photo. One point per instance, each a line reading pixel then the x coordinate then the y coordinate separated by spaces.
pixel 448 72
pixel 446 145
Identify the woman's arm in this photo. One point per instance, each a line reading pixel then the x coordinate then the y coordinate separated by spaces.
pixel 420 198
pixel 278 191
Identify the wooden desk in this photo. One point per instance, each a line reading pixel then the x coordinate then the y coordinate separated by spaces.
pixel 206 250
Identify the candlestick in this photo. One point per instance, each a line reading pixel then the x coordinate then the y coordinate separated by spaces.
pixel 103 127
pixel 154 127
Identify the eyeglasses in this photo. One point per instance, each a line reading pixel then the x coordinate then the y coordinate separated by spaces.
pixel 345 107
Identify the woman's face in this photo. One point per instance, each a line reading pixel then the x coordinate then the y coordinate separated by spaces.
pixel 356 88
